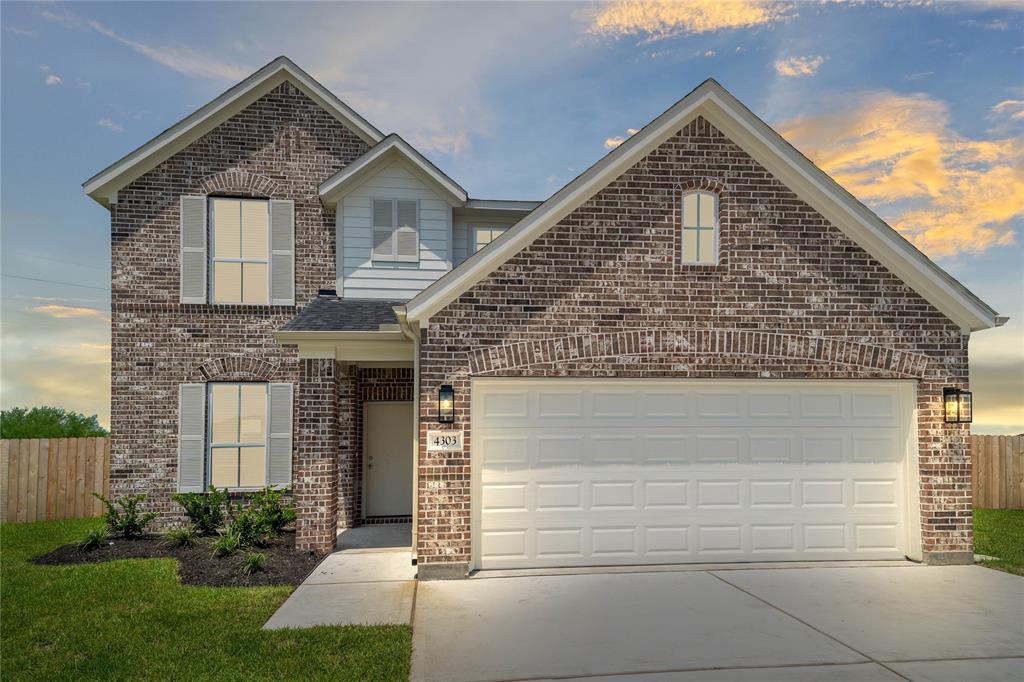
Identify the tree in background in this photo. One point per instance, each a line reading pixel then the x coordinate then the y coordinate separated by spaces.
pixel 48 422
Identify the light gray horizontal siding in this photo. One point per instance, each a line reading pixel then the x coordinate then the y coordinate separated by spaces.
pixel 362 277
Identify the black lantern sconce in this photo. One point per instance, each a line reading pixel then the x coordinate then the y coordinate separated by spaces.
pixel 446 404
pixel 956 405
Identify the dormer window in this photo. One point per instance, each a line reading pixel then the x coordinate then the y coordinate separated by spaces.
pixel 700 228
pixel 396 233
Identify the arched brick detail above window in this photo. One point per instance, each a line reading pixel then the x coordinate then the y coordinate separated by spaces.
pixel 706 184
pixel 243 181
pixel 710 342
pixel 235 368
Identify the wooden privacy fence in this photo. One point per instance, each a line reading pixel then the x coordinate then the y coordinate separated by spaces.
pixel 53 478
pixel 997 466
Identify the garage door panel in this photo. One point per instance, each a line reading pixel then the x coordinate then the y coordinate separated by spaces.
pixel 590 472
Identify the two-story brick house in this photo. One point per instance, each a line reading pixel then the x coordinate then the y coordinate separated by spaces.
pixel 700 349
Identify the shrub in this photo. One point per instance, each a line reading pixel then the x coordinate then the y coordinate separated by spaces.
pixel 206 511
pixel 253 562
pixel 93 539
pixel 129 521
pixel 182 537
pixel 268 507
pixel 252 528
pixel 228 543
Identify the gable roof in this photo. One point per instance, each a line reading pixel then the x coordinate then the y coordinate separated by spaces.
pixel 108 181
pixel 387 150
pixel 768 148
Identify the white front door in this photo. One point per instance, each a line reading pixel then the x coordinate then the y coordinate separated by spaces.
pixel 596 472
pixel 387 458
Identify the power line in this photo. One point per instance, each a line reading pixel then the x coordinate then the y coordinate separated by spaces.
pixel 53 281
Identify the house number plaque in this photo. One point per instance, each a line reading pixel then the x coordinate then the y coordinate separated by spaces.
pixel 444 441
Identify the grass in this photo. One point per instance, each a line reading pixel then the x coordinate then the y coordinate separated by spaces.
pixel 134 619
pixel 1000 533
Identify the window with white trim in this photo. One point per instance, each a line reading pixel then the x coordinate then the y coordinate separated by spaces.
pixel 240 248
pixel 482 236
pixel 700 228
pixel 237 448
pixel 396 232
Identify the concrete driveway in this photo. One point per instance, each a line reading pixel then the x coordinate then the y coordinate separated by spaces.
pixel 851 623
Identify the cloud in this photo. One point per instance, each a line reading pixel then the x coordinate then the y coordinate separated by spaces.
pixel 946 193
pixel 21 31
pixel 613 142
pixel 110 124
pixel 659 20
pixel 1011 108
pixel 182 58
pixel 54 79
pixel 799 66
pixel 65 311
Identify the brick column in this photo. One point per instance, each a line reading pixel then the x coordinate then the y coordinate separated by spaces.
pixel 350 450
pixel 316 476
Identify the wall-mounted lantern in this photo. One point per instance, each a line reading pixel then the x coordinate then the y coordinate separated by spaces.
pixel 446 404
pixel 956 405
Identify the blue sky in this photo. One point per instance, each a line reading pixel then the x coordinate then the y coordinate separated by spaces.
pixel 917 108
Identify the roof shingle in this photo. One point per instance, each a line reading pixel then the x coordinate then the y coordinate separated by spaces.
pixel 330 313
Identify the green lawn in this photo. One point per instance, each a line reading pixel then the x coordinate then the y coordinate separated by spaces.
pixel 1000 533
pixel 133 619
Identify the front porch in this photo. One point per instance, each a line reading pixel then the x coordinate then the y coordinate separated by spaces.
pixel 355 425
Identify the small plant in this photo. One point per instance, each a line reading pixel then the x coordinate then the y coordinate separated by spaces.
pixel 206 511
pixel 93 539
pixel 129 521
pixel 182 537
pixel 252 528
pixel 227 544
pixel 253 562
pixel 273 514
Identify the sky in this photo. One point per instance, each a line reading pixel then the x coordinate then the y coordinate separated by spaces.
pixel 916 108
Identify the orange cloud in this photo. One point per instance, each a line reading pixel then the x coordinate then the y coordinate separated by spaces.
pixel 799 66
pixel 658 20
pixel 948 194
pixel 613 142
pixel 66 311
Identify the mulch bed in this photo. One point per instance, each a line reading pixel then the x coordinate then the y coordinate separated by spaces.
pixel 197 565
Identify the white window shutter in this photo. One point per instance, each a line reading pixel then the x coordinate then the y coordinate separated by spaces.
pixel 191 437
pixel 282 252
pixel 407 236
pixel 279 435
pixel 193 249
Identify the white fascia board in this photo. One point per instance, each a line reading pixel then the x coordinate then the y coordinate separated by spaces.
pixel 793 169
pixel 506 205
pixel 292 337
pixel 105 183
pixel 392 147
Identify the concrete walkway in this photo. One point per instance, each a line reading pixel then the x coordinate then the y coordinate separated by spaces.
pixel 369 581
pixel 823 623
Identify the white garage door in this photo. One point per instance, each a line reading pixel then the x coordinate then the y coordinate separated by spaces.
pixel 586 472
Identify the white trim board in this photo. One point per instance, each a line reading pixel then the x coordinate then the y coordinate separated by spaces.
pixel 104 185
pixel 769 149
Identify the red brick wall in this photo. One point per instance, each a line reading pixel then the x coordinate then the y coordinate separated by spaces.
pixel 602 294
pixel 282 146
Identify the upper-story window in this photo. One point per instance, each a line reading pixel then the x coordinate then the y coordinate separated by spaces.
pixel 396 233
pixel 482 236
pixel 240 248
pixel 700 228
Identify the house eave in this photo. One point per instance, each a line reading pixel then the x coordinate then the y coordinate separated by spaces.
pixel 386 345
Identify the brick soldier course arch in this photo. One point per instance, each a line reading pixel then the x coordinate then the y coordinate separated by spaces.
pixel 236 368
pixel 239 180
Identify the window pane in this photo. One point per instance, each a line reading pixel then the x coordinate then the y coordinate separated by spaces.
pixel 407 214
pixel 224 413
pixel 254 283
pixel 690 210
pixel 689 245
pixel 707 212
pixel 253 413
pixel 382 213
pixel 707 246
pixel 226 228
pixel 224 467
pixel 252 468
pixel 383 243
pixel 255 223
pixel 227 282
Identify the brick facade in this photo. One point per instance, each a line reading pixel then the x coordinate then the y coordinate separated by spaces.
pixel 602 294
pixel 282 146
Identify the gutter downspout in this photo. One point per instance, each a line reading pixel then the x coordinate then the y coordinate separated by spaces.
pixel 412 333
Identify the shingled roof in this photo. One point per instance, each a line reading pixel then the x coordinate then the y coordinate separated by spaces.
pixel 328 313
